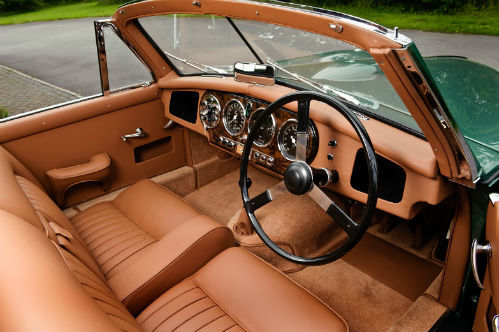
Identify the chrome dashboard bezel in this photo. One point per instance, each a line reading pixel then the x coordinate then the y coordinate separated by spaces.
pixel 219 110
pixel 225 122
pixel 279 144
pixel 274 128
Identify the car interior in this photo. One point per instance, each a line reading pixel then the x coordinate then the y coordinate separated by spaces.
pixel 136 210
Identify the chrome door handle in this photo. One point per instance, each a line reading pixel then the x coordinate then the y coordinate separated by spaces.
pixel 139 132
pixel 475 250
pixel 495 323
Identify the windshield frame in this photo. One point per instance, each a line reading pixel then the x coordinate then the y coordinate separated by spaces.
pixel 359 110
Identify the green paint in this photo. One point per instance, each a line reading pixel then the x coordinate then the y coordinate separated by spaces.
pixel 471 94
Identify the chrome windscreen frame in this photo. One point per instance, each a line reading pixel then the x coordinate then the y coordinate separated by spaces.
pixel 468 172
pixel 99 26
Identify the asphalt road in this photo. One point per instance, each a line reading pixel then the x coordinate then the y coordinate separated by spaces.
pixel 63 53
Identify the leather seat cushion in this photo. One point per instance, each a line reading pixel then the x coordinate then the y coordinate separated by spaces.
pixel 236 291
pixel 138 217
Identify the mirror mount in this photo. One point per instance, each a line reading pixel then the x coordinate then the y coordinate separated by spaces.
pixel 254 73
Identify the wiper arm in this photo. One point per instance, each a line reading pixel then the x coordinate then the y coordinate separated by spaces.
pixel 198 66
pixel 323 88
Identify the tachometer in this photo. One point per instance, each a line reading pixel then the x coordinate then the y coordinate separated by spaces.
pixel 234 117
pixel 266 131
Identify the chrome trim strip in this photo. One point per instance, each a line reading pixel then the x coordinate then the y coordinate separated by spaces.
pixel 475 250
pixel 43 109
pixel 101 52
pixel 274 127
pixel 449 128
pixel 354 20
pixel 226 125
pixel 494 198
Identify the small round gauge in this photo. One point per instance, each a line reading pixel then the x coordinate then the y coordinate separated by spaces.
pixel 287 139
pixel 234 117
pixel 266 131
pixel 209 111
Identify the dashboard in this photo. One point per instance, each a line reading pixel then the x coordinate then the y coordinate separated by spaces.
pixel 229 118
pixel 224 112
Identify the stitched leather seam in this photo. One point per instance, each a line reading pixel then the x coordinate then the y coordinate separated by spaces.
pixel 176 297
pixel 94 218
pixel 218 304
pixel 114 236
pixel 178 310
pixel 211 321
pixel 199 313
pixel 131 254
pixel 124 240
pixel 141 243
pixel 107 223
pixel 230 327
pixel 211 306
pixel 223 228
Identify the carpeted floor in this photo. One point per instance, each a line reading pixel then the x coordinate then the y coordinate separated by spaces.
pixel 372 287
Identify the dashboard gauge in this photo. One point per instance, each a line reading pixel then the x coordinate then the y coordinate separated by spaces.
pixel 234 117
pixel 287 139
pixel 267 130
pixel 209 111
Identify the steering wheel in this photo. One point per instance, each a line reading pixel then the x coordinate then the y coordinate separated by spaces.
pixel 301 179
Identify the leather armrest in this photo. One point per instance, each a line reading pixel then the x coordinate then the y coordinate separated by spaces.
pixel 97 169
pixel 177 255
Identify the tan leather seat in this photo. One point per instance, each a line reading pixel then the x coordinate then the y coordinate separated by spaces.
pixel 235 291
pixel 138 217
pixel 146 254
pixel 146 222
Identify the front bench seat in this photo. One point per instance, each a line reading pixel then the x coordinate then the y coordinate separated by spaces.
pixel 235 291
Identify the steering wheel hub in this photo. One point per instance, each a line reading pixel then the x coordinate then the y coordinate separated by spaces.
pixel 298 178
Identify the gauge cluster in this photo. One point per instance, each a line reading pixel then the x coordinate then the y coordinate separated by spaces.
pixel 275 144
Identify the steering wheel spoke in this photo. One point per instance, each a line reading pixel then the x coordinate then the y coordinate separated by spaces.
pixel 302 130
pixel 299 178
pixel 268 196
pixel 328 205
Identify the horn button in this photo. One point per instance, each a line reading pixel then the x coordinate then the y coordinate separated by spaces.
pixel 298 178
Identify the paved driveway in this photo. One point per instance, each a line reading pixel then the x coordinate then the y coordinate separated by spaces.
pixel 63 52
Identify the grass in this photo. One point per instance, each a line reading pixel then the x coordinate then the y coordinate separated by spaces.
pixel 76 10
pixel 484 22
pixel 3 112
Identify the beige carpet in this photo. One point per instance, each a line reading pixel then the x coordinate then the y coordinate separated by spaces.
pixel 372 287
pixel 366 304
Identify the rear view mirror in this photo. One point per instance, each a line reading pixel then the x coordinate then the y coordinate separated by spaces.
pixel 254 73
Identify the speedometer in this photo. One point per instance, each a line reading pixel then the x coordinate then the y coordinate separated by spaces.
pixel 266 131
pixel 234 117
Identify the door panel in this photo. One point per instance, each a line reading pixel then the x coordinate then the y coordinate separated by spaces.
pixel 489 297
pixel 74 143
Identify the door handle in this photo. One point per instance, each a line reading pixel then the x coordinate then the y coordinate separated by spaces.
pixel 475 250
pixel 495 323
pixel 139 133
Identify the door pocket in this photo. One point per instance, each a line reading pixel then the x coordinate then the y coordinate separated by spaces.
pixel 153 149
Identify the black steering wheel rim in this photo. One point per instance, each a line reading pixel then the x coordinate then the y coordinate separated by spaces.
pixel 355 231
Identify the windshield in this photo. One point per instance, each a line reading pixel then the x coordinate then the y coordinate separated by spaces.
pixel 198 44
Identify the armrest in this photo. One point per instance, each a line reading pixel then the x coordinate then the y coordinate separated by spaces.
pixel 97 169
pixel 176 256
